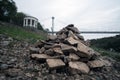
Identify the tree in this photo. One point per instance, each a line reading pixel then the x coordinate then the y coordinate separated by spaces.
pixel 18 18
pixel 39 26
pixel 7 10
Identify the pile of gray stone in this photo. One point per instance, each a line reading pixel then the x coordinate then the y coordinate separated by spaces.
pixel 67 50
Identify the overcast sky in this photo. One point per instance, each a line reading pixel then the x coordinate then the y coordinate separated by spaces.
pixel 86 15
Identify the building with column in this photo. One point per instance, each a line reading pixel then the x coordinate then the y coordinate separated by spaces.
pixel 30 21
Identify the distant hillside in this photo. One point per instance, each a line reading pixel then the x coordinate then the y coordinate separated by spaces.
pixel 108 43
pixel 21 33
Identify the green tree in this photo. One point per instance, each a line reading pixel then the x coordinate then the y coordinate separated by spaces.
pixel 7 10
pixel 39 26
pixel 18 18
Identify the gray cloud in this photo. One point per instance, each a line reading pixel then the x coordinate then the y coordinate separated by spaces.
pixel 85 14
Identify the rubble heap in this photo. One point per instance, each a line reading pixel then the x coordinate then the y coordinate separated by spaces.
pixel 67 50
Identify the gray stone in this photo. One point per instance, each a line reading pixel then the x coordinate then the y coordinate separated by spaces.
pixel 49 52
pixel 80 36
pixel 74 29
pixel 67 48
pixel 52 37
pixel 71 40
pixel 74 57
pixel 57 50
pixel 96 63
pixel 4 66
pixel 42 50
pixel 40 56
pixel 34 50
pixel 71 34
pixel 78 67
pixel 55 63
pixel 84 50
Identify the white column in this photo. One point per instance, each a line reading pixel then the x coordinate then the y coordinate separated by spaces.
pixel 26 22
pixel 36 24
pixel 30 22
pixel 23 22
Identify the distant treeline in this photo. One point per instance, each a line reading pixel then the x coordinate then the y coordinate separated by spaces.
pixel 9 14
pixel 109 43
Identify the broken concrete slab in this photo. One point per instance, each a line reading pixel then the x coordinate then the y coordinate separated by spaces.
pixel 55 63
pixel 79 67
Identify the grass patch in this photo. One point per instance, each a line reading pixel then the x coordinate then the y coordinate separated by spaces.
pixel 114 55
pixel 21 33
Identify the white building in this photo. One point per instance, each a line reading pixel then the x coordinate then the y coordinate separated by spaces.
pixel 30 21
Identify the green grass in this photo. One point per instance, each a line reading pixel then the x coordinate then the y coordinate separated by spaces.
pixel 112 54
pixel 21 33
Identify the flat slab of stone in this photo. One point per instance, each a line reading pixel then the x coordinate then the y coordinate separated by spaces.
pixel 79 67
pixel 71 41
pixel 40 56
pixel 57 50
pixel 34 50
pixel 52 37
pixel 96 63
pixel 84 50
pixel 67 48
pixel 55 63
pixel 74 57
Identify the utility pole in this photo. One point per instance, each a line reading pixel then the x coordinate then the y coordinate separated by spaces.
pixel 52 28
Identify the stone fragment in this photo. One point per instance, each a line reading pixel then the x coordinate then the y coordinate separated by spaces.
pixel 84 50
pixel 52 37
pixel 55 63
pixel 62 36
pixel 74 57
pixel 79 67
pixel 47 46
pixel 40 56
pixel 42 50
pixel 34 50
pixel 71 41
pixel 71 34
pixel 80 36
pixel 96 63
pixel 49 52
pixel 57 50
pixel 72 28
pixel 67 48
